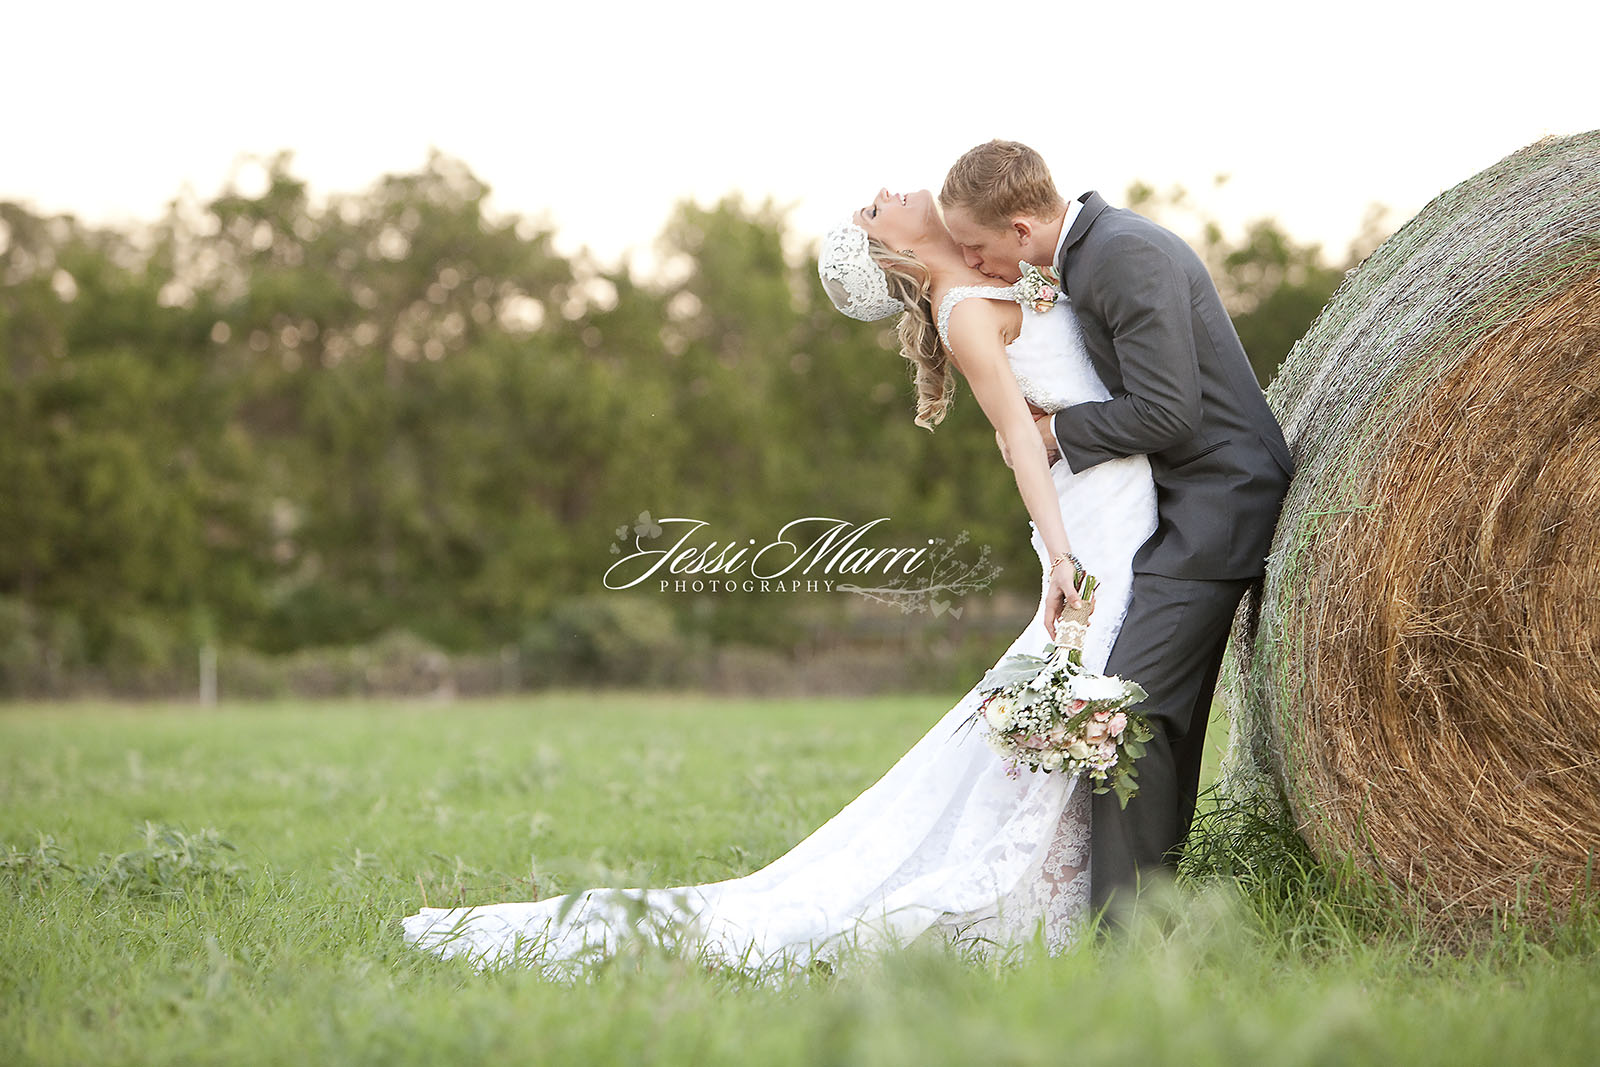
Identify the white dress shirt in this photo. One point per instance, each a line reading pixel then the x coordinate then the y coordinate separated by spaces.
pixel 1073 207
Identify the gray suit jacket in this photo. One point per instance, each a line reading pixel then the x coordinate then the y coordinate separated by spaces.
pixel 1182 392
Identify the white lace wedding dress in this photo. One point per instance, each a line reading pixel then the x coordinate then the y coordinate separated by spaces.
pixel 945 842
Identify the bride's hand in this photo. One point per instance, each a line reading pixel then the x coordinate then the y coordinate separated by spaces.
pixel 1061 597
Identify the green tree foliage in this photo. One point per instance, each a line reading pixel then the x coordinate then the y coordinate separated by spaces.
pixel 277 423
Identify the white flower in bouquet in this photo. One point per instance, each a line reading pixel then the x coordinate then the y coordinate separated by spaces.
pixel 1097 687
pixel 999 713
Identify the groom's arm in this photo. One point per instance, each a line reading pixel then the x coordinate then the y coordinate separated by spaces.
pixel 1142 294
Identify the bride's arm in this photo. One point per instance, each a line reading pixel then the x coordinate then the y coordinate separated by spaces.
pixel 978 349
pixel 1051 452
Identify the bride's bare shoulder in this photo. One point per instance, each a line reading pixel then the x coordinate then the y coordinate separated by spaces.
pixel 972 316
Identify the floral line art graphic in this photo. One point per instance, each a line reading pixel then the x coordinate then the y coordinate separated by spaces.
pixel 949 577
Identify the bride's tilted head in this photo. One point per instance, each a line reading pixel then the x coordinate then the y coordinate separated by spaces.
pixel 877 265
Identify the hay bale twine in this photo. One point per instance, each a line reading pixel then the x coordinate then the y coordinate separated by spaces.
pixel 1418 676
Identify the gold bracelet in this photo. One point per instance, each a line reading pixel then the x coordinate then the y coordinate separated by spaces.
pixel 1076 563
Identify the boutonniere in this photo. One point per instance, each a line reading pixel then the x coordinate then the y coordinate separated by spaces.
pixel 1039 287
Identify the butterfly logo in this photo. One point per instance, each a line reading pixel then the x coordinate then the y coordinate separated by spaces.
pixel 646 526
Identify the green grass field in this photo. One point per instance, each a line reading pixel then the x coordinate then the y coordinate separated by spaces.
pixel 116 948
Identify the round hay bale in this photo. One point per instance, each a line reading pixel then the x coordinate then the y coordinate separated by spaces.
pixel 1418 675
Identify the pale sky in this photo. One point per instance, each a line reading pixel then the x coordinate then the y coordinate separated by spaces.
pixel 598 116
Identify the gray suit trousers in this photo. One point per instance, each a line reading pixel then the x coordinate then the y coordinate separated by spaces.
pixel 1171 644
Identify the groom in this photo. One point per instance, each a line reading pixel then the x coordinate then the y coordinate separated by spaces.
pixel 1183 393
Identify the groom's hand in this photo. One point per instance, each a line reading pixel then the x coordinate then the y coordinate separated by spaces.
pixel 1041 419
pixel 1050 454
pixel 1052 447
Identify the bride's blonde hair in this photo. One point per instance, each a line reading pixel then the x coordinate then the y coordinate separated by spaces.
pixel 911 283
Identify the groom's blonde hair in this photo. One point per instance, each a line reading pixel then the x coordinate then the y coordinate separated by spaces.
pixel 999 181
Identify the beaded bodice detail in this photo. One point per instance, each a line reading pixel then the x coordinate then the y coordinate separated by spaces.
pixel 960 293
pixel 1048 357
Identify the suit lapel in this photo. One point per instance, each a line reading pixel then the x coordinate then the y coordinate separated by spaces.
pixel 1104 360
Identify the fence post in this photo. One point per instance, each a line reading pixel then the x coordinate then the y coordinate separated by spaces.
pixel 208 675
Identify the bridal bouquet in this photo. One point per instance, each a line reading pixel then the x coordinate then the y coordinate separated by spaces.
pixel 1050 714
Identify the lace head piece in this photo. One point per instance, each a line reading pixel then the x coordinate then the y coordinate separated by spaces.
pixel 853 281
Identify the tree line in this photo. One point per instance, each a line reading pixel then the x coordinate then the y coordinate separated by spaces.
pixel 271 423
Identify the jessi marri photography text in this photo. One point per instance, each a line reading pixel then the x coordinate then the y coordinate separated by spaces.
pixel 925 577
pixel 689 563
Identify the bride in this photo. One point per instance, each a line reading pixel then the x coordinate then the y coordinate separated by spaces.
pixel 945 843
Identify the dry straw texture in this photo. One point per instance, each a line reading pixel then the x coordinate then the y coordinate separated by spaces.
pixel 1418 676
